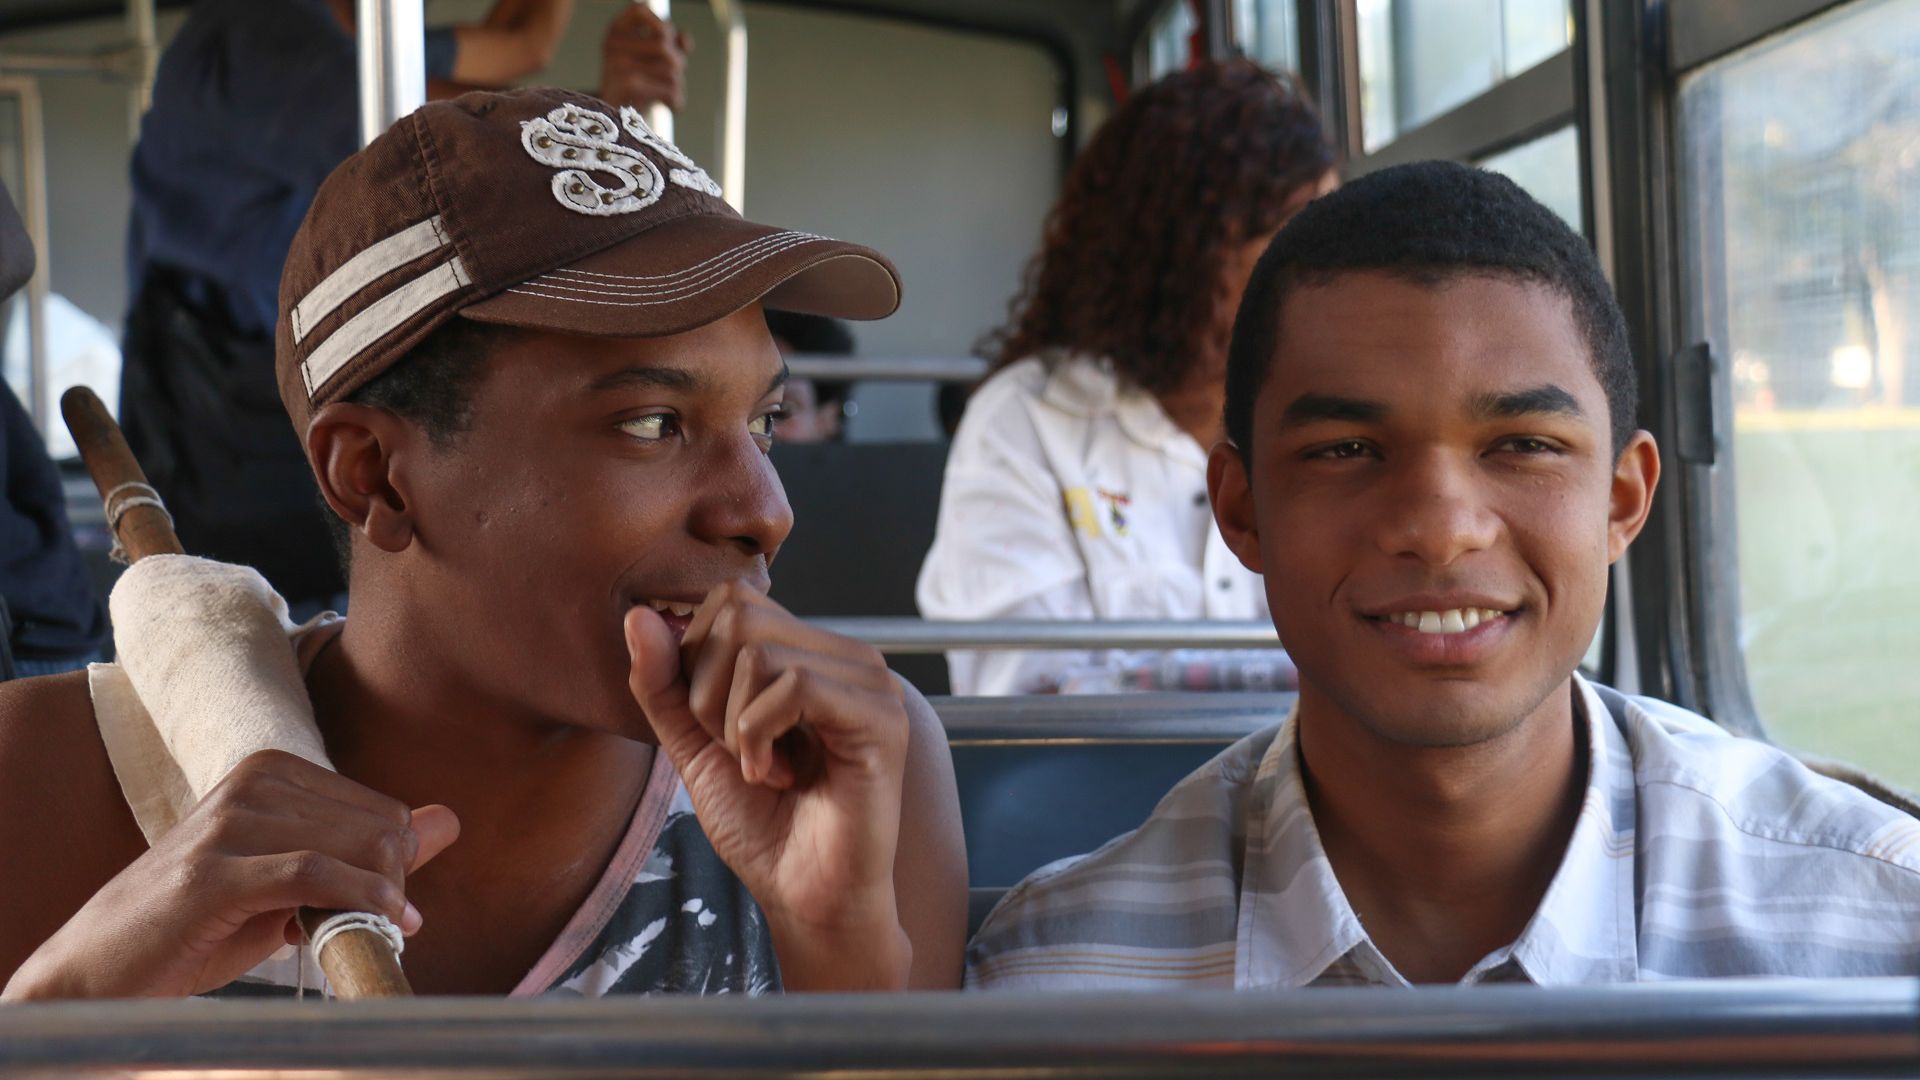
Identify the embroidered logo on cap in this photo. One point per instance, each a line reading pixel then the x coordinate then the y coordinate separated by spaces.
pixel 584 142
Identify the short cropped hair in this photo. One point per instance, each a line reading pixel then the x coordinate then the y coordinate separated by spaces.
pixel 1428 222
pixel 431 388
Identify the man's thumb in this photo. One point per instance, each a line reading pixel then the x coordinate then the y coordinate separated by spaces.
pixel 437 827
pixel 658 686
pixel 655 657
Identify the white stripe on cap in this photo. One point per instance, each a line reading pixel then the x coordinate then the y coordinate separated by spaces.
pixel 380 319
pixel 360 271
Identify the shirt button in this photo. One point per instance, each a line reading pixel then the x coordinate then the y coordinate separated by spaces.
pixel 1200 499
pixel 1225 584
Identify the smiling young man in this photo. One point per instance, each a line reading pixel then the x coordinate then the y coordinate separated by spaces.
pixel 1433 462
pixel 578 750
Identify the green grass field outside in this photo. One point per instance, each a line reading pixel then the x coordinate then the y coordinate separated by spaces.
pixel 1830 589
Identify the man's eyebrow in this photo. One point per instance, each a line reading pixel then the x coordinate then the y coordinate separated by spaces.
pixel 1312 408
pixel 665 378
pixel 779 380
pixel 1547 399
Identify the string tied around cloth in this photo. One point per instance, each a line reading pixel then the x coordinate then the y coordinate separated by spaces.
pixel 142 495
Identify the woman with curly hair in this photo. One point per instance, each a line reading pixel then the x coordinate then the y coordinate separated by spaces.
pixel 1076 486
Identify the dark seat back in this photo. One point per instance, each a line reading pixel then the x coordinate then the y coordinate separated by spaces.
pixel 863 517
pixel 1044 778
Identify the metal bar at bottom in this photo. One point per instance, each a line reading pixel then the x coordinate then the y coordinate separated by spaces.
pixel 936 369
pixel 392 41
pixel 1720 1028
pixel 909 636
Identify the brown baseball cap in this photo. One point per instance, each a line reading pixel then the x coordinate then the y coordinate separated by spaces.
pixel 546 209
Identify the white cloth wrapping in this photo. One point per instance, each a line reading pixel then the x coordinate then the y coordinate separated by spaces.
pixel 205 676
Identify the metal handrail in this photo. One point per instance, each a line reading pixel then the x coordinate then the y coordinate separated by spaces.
pixel 935 369
pixel 900 636
pixel 1742 1028
pixel 1110 719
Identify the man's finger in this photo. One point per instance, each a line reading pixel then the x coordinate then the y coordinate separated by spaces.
pixel 310 879
pixel 271 767
pixel 658 687
pixel 813 711
pixel 761 662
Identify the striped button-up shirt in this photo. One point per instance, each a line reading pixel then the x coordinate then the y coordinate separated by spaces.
pixel 1695 854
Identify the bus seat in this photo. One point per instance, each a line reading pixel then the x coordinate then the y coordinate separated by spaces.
pixel 979 904
pixel 1904 801
pixel 863 520
pixel 1043 778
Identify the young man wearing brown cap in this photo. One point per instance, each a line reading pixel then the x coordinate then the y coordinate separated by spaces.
pixel 522 338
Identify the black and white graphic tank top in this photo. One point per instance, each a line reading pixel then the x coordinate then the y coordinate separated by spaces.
pixel 667 917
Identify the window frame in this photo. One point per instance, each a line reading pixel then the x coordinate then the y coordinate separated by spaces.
pixel 1685 568
pixel 1672 628
pixel 1512 111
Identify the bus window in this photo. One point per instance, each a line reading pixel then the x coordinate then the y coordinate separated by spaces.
pixel 1418 60
pixel 1268 31
pixel 1801 200
pixel 1548 168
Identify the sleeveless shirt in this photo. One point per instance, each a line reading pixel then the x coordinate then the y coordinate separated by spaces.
pixel 666 917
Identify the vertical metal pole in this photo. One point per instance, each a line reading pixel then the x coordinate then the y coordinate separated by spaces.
pixel 393 63
pixel 33 211
pixel 733 132
pixel 659 117
pixel 140 22
pixel 1346 28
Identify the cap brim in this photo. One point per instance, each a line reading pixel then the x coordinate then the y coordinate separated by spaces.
pixel 695 270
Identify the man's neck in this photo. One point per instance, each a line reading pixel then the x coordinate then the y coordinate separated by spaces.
pixel 542 806
pixel 1444 853
pixel 401 723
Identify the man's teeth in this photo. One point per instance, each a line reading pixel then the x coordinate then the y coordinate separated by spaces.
pixel 671 608
pixel 1455 621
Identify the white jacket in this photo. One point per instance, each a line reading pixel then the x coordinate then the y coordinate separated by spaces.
pixel 1071 496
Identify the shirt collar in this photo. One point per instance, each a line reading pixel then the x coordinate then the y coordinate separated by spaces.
pixel 1295 921
pixel 1088 387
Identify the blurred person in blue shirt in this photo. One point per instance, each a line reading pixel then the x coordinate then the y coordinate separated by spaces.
pixel 253 105
pixel 50 620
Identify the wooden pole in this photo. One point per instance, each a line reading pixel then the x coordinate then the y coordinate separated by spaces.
pixel 359 963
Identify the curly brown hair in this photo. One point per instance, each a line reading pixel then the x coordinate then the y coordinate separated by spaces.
pixel 1131 254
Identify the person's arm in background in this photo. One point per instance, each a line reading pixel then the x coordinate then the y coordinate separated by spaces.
pixel 515 40
pixel 643 60
pixel 1003 549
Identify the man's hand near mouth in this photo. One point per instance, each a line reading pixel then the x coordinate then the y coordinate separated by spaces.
pixel 792 743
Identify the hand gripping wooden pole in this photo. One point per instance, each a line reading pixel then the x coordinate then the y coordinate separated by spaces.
pixel 359 962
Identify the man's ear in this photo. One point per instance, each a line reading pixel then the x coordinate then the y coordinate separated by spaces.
pixel 358 455
pixel 1230 486
pixel 1635 476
